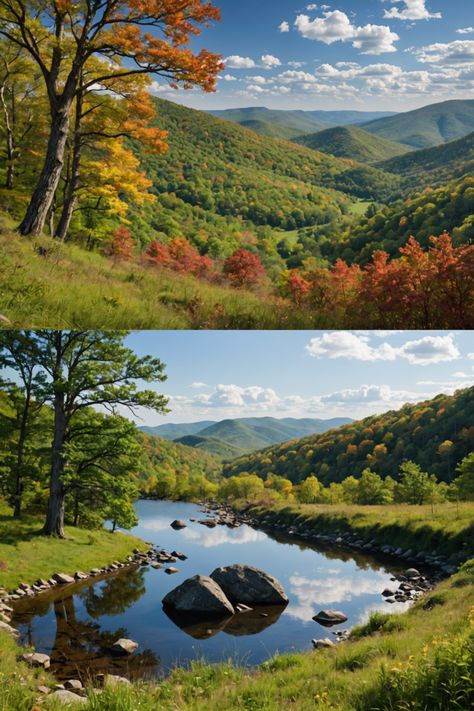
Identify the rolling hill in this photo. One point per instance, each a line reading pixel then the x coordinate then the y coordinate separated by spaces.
pixel 432 167
pixel 433 434
pixel 352 142
pixel 289 124
pixel 428 126
pixel 230 438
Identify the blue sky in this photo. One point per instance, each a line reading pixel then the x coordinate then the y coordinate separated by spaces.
pixel 224 374
pixel 364 54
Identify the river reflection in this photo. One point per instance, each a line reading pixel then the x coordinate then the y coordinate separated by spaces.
pixel 77 626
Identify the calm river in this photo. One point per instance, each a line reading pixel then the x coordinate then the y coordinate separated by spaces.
pixel 77 625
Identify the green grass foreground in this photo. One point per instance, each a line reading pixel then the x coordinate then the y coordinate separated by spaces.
pixel 446 529
pixel 50 285
pixel 26 556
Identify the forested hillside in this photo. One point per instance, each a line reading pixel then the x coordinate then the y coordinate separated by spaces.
pixel 434 434
pixel 353 143
pixel 230 438
pixel 428 126
pixel 431 167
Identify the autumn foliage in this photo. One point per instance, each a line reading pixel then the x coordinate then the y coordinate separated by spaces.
pixel 180 256
pixel 421 289
pixel 243 269
pixel 121 247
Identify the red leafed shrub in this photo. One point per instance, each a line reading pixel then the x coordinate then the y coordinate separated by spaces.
pixel 156 254
pixel 243 268
pixel 121 247
pixel 295 286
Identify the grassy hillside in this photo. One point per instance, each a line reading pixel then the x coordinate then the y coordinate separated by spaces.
pixel 352 142
pixel 435 434
pixel 428 126
pixel 48 284
pixel 431 167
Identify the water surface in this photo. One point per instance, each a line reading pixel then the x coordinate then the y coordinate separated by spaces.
pixel 77 625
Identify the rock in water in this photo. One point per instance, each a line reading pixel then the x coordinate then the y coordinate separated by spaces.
pixel 412 573
pixel 124 646
pixel 178 524
pixel 199 595
pixel 328 618
pixel 243 583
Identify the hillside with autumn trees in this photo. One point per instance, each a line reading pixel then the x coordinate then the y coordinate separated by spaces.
pixel 434 434
pixel 164 215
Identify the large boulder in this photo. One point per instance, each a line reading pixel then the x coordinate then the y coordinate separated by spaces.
pixel 177 524
pixel 199 595
pixel 328 618
pixel 243 583
pixel 35 659
pixel 64 697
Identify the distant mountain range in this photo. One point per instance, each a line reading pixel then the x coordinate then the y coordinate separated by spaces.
pixel 422 128
pixel 232 438
pixel 289 124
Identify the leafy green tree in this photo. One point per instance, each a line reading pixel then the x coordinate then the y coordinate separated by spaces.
pixel 371 488
pixel 465 481
pixel 309 490
pixel 416 486
pixel 84 369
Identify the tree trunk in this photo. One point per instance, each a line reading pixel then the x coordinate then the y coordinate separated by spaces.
pixel 76 509
pixel 73 183
pixel 20 452
pixel 10 141
pixel 54 524
pixel 43 195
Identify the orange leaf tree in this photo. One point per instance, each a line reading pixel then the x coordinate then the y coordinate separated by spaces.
pixel 149 37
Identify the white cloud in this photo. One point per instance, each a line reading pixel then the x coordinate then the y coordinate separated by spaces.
pixel 235 61
pixel 370 394
pixel 296 65
pixel 229 77
pixel 344 344
pixel 198 385
pixel 284 27
pixel 413 10
pixel 269 61
pixel 336 26
pixel 465 31
pixel 470 356
pixel 447 54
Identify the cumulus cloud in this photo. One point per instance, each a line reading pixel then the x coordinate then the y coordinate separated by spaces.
pixel 336 26
pixel 447 54
pixel 198 385
pixel 428 350
pixel 370 394
pixel 413 10
pixel 235 61
pixel 465 31
pixel 269 61
pixel 284 26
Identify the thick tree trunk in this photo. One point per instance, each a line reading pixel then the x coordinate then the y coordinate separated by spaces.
pixel 18 495
pixel 54 524
pixel 43 195
pixel 73 183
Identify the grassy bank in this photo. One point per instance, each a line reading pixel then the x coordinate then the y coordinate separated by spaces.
pixel 446 530
pixel 25 556
pixel 50 285
pixel 420 660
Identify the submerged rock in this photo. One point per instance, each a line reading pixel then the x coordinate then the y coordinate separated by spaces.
pixel 328 618
pixel 200 594
pixel 248 585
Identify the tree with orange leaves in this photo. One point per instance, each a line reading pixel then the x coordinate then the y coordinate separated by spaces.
pixel 243 268
pixel 134 37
